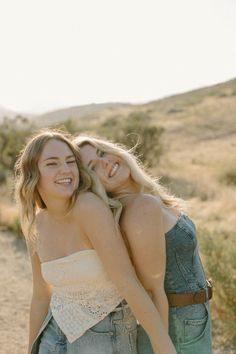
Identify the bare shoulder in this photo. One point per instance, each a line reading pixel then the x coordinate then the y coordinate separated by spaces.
pixel 147 200
pixel 142 204
pixel 140 211
pixel 89 202
pixel 88 199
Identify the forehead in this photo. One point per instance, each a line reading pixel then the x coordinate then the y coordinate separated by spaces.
pixel 55 148
pixel 88 153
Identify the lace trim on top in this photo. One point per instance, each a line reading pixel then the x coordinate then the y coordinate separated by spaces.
pixel 82 293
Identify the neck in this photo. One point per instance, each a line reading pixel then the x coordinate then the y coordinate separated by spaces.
pixel 125 193
pixel 57 209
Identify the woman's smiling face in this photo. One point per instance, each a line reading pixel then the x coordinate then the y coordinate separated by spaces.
pixel 111 169
pixel 59 174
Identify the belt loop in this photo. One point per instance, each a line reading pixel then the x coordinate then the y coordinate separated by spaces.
pixel 124 303
pixel 124 308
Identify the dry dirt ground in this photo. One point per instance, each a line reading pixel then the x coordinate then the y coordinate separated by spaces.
pixel 15 295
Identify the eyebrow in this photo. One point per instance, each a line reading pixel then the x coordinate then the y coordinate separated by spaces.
pixel 90 162
pixel 57 158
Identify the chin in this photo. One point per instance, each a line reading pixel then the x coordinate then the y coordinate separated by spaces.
pixel 67 194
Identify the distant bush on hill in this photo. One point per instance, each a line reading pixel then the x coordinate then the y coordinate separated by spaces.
pixel 13 133
pixel 135 131
pixel 69 126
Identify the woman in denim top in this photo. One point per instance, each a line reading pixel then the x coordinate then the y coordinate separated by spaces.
pixel 162 244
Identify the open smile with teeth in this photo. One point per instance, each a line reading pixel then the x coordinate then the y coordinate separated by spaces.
pixel 64 181
pixel 114 169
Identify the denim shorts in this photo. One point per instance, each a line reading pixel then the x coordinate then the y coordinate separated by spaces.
pixel 115 334
pixel 189 329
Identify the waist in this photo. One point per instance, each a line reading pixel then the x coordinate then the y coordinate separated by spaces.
pixel 76 315
pixel 184 299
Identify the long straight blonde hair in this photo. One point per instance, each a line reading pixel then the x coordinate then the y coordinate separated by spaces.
pixel 144 181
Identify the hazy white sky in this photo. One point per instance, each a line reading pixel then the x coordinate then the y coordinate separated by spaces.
pixel 57 53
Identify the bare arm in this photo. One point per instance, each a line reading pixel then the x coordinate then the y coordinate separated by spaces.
pixel 110 246
pixel 142 225
pixel 40 298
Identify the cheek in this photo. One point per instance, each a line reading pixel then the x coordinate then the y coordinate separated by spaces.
pixel 45 178
pixel 40 180
pixel 100 174
pixel 42 184
pixel 76 172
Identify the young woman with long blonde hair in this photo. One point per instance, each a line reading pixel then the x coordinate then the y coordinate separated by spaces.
pixel 162 243
pixel 85 290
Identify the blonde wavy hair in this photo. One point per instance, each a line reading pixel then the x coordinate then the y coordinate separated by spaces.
pixel 27 177
pixel 144 181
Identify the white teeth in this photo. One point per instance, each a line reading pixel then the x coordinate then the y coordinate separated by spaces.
pixel 64 181
pixel 114 169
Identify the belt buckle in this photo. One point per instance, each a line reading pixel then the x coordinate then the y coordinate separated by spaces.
pixel 209 283
pixel 209 288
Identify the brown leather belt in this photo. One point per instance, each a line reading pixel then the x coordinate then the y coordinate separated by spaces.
pixel 183 299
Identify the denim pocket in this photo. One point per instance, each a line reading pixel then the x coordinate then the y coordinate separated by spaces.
pixel 194 329
pixel 104 327
pixel 197 334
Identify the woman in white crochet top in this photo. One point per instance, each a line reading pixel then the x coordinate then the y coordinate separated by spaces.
pixel 85 290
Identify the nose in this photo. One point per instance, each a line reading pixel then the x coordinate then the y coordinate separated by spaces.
pixel 65 167
pixel 104 162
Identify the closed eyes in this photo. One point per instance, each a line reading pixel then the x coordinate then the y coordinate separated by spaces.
pixel 54 163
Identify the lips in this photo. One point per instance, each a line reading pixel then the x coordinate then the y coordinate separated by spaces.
pixel 64 181
pixel 113 170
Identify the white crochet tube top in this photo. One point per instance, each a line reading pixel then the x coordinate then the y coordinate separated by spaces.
pixel 82 293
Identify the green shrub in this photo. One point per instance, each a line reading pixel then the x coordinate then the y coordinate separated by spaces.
pixel 68 126
pixel 16 226
pixel 12 225
pixel 219 250
pixel 135 130
pixel 3 175
pixel 13 133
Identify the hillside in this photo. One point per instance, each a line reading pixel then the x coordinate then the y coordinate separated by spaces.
pixel 76 112
pixel 201 111
pixel 6 113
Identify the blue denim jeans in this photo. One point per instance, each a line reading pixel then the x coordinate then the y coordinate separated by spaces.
pixel 115 334
pixel 189 329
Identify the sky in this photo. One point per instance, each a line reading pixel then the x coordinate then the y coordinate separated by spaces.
pixel 60 53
